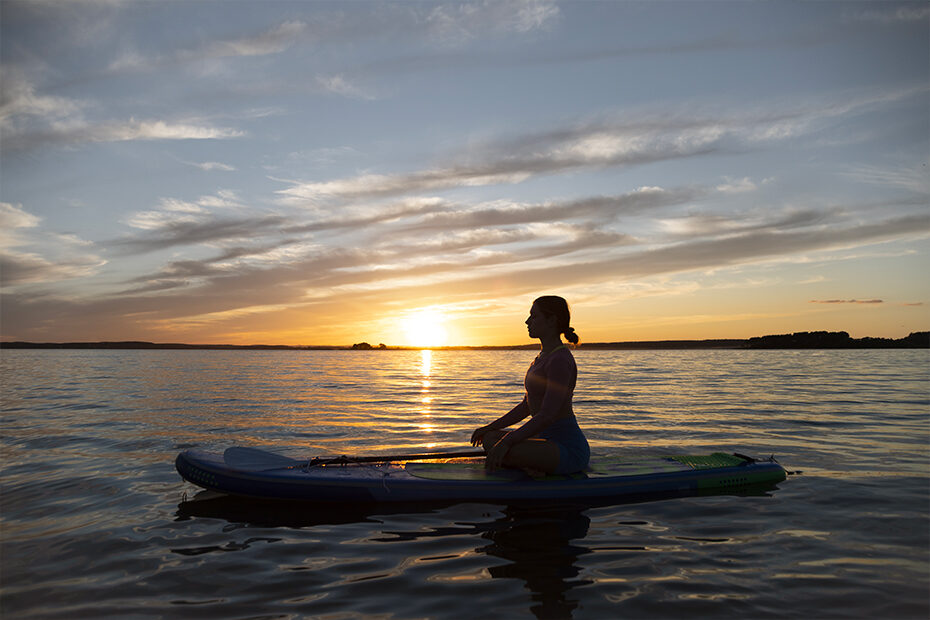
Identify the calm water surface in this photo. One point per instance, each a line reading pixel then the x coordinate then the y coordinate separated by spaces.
pixel 95 522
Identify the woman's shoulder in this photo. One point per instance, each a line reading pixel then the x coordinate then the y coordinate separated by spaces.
pixel 560 357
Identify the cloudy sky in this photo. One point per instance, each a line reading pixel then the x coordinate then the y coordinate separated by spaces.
pixel 333 172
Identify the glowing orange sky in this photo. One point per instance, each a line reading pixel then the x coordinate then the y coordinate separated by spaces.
pixel 311 173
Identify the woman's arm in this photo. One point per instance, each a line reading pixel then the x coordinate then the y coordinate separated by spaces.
pixel 559 378
pixel 511 417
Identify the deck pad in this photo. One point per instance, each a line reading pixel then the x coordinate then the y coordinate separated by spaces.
pixel 462 471
pixel 598 468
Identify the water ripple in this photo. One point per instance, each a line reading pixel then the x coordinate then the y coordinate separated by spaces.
pixel 94 522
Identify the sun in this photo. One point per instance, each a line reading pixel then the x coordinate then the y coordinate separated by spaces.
pixel 425 328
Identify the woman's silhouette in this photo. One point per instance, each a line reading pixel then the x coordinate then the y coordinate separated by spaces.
pixel 550 441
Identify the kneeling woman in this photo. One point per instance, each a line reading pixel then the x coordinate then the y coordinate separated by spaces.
pixel 550 441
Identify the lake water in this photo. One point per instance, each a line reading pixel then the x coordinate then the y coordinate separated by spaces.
pixel 94 522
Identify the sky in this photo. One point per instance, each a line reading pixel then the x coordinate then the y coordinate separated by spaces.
pixel 416 173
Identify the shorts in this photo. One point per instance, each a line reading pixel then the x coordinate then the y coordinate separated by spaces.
pixel 574 452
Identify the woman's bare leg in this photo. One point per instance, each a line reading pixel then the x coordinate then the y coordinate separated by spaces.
pixel 533 455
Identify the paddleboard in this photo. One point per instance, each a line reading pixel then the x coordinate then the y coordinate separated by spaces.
pixel 257 473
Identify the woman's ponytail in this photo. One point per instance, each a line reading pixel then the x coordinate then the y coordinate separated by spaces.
pixel 570 335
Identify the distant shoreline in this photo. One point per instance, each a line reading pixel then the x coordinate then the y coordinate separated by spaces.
pixel 798 340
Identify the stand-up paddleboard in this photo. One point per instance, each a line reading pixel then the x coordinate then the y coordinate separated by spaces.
pixel 257 473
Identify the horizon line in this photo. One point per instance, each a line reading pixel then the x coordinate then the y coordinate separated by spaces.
pixel 680 342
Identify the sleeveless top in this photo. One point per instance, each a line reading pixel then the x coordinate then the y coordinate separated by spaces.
pixel 550 383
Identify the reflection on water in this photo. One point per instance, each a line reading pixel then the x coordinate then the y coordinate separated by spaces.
pixel 537 545
pixel 426 363
pixel 88 440
pixel 424 425
pixel 542 545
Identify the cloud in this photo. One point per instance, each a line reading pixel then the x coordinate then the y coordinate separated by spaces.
pixel 638 261
pixel 19 268
pixel 373 217
pixel 451 254
pixel 400 251
pixel 476 59
pixel 377 185
pixel 448 268
pixel 421 243
pixel 326 271
pixel 170 230
pixel 433 215
pixel 509 163
pixel 209 166
pixel 174 211
pixel 339 85
pixel 29 120
pixel 737 186
pixel 457 23
pixel 598 145
pixel 76 133
pixel 179 272
pixel 70 255
pixel 13 217
pixel 914 179
pixel 916 13
pixel 223 199
pixel 21 104
pixel 710 224
pixel 179 222
pixel 272 41
pixel 443 24
pixel 598 208
pixel 156 130
pixel 395 256
pixel 847 301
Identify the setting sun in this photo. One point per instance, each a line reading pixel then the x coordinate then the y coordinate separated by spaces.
pixel 425 328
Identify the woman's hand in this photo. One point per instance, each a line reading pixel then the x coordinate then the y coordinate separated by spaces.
pixel 478 435
pixel 496 455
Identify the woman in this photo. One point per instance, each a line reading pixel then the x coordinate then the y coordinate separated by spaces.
pixel 550 441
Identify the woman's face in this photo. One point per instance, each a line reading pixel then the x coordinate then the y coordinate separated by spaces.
pixel 539 324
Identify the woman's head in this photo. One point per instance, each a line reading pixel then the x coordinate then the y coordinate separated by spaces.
pixel 557 308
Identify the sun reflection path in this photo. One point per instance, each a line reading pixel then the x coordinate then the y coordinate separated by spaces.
pixel 426 398
pixel 426 364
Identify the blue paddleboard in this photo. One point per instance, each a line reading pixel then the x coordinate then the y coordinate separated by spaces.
pixel 257 473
